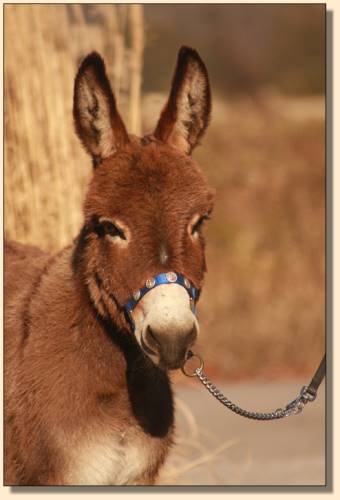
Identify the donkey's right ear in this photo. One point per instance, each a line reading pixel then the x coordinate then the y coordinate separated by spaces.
pixel 97 121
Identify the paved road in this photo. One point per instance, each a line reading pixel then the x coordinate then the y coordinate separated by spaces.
pixel 214 446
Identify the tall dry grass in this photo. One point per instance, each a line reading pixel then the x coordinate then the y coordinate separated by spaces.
pixel 45 169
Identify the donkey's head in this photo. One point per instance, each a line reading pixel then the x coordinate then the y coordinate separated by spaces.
pixel 141 251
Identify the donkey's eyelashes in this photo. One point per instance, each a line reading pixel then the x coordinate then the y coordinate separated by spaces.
pixel 196 227
pixel 112 230
pixel 105 227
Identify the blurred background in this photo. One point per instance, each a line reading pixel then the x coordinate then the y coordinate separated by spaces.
pixel 262 311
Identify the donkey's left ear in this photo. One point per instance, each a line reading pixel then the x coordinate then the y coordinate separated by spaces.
pixel 186 114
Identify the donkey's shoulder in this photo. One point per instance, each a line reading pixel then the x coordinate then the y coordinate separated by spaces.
pixel 22 263
pixel 20 251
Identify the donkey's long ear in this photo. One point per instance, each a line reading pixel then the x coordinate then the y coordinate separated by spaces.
pixel 97 121
pixel 186 114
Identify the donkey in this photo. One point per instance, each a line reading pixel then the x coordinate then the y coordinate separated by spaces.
pixel 92 332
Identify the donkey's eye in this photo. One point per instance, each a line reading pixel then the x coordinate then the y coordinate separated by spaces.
pixel 197 227
pixel 111 229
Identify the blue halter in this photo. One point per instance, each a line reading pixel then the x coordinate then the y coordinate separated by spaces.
pixel 168 278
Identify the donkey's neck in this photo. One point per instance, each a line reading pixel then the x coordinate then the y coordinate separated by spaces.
pixel 110 351
pixel 148 386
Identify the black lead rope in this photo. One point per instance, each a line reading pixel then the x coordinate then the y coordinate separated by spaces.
pixel 307 393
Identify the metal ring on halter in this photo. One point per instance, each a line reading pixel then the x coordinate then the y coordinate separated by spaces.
pixel 190 356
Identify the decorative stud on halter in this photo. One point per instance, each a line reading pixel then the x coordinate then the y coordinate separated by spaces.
pixel 168 278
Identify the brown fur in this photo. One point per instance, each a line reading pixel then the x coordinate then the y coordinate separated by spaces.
pixel 74 373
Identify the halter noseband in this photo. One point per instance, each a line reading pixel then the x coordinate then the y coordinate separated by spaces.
pixel 168 278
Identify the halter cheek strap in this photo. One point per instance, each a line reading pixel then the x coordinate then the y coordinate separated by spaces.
pixel 162 279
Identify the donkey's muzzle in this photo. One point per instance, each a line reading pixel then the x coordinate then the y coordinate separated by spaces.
pixel 171 347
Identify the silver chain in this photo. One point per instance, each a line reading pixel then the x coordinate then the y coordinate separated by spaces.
pixel 292 408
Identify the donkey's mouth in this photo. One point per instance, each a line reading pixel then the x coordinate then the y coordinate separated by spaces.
pixel 163 363
pixel 170 365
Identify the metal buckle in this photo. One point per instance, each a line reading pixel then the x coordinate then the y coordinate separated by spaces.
pixel 308 393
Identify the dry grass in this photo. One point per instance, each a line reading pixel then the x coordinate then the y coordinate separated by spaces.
pixel 191 452
pixel 262 309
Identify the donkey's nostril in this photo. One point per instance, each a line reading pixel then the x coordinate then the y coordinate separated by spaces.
pixel 165 339
pixel 170 344
pixel 152 337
